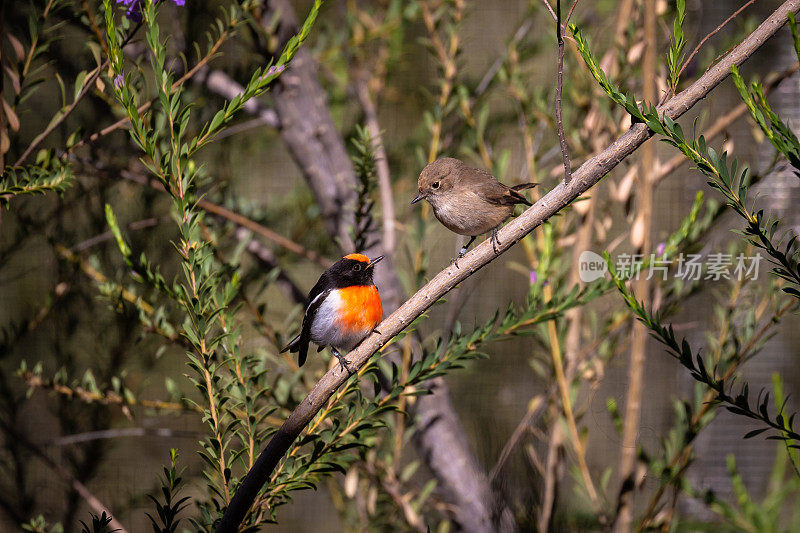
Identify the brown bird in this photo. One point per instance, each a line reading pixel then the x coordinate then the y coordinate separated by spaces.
pixel 468 201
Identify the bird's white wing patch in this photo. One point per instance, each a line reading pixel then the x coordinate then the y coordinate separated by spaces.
pixel 312 302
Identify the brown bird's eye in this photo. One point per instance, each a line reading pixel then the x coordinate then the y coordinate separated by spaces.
pixel 357 267
pixel 435 185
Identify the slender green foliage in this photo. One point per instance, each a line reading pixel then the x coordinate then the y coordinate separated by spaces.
pixel 676 45
pixel 166 519
pixel 738 403
pixel 98 524
pixel 364 164
pixel 34 179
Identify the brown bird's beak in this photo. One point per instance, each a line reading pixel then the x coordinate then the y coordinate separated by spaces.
pixel 419 197
pixel 376 260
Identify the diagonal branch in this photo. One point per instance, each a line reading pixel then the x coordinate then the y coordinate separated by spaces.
pixel 589 174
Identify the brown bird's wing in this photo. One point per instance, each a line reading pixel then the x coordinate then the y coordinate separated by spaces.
pixel 491 190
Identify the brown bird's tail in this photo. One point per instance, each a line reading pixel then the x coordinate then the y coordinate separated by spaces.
pixel 521 187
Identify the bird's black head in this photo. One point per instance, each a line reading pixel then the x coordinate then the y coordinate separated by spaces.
pixel 353 269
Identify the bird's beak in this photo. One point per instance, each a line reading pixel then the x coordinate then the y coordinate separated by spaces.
pixel 419 197
pixel 376 260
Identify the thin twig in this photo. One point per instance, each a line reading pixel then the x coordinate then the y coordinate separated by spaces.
pixel 710 35
pixel 562 140
pixel 487 78
pixel 106 236
pixel 118 433
pixel 550 9
pixel 87 85
pixel 535 408
pixel 264 231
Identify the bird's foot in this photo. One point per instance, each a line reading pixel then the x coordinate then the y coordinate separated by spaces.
pixel 495 241
pixel 342 361
pixel 461 253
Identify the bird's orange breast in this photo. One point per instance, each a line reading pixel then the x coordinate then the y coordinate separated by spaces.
pixel 361 308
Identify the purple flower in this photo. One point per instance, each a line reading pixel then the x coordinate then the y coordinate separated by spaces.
pixel 534 277
pixel 119 79
pixel 135 8
pixel 661 248
pixel 274 69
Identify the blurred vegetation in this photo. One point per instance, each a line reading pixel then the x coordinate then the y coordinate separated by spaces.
pixel 157 241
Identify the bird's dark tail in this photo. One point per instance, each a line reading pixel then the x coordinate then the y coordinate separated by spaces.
pixel 522 187
pixel 300 345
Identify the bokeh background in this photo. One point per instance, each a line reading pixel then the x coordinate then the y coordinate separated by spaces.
pixel 64 320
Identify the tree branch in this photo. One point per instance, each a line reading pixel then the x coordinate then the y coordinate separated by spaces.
pixel 589 174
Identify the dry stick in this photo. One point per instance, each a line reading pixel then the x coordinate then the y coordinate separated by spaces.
pixel 643 226
pixel 550 9
pixel 94 503
pixel 535 408
pixel 589 174
pixel 487 78
pixel 102 398
pixel 562 141
pixel 553 470
pixel 119 433
pixel 255 227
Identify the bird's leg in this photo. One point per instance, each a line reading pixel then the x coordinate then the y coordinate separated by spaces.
pixel 464 248
pixel 495 241
pixel 342 361
pixel 463 251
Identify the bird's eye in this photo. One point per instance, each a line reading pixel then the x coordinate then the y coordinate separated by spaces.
pixel 435 185
pixel 357 267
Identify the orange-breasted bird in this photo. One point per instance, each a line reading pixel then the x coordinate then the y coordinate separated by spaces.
pixel 343 308
pixel 467 200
